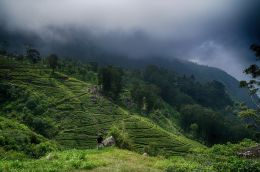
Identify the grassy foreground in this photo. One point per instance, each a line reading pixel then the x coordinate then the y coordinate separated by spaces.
pixel 218 158
pixel 111 159
pixel 99 160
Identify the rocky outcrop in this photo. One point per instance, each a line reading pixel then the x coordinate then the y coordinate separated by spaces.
pixel 110 141
pixel 253 152
pixel 145 154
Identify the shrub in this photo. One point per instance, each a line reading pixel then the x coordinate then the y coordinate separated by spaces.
pixel 151 149
pixel 237 164
pixel 40 125
pixel 43 148
pixel 2 140
pixel 175 169
pixel 194 129
pixel 231 149
pixel 31 104
pixel 14 155
pixel 121 137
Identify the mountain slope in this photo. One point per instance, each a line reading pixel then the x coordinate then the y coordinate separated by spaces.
pixel 202 73
pixel 205 73
pixel 73 112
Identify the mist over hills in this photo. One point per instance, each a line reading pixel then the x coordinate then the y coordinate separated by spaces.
pixel 87 47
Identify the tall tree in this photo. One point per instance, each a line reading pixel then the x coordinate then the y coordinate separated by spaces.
pixel 53 61
pixel 110 78
pixel 3 47
pixel 251 116
pixel 254 71
pixel 33 55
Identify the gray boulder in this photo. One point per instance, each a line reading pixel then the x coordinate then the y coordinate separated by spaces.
pixel 145 154
pixel 110 141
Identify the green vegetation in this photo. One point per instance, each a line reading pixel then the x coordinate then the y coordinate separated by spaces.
pixel 53 61
pixel 18 141
pixel 253 87
pixel 218 158
pixel 33 55
pixel 203 104
pixel 72 112
pixel 253 71
pixel 51 111
pixel 110 79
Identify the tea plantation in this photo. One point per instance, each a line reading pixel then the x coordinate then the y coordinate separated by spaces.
pixel 73 112
pixel 50 122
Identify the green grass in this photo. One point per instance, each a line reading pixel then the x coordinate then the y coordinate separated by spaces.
pixel 104 160
pixel 80 160
pixel 96 160
pixel 77 114
pixel 117 160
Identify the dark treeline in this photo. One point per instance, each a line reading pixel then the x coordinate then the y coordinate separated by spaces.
pixel 206 110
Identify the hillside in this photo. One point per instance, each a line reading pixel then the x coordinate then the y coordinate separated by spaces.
pixel 17 139
pixel 201 72
pixel 72 112
pixel 205 73
pixel 50 121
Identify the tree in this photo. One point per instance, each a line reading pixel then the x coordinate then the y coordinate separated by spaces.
pixel 110 79
pixel 83 72
pixel 53 61
pixel 194 129
pixel 33 55
pixel 146 96
pixel 254 71
pixel 252 116
pixel 93 66
pixel 252 119
pixel 3 47
pixel 212 127
pixel 20 57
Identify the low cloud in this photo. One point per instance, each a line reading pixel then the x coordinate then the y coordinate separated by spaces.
pixel 213 32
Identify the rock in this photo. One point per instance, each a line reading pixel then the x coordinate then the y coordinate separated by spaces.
pixel 50 156
pixel 110 141
pixel 145 154
pixel 253 152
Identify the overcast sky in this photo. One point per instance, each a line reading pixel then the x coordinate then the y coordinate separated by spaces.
pixel 211 32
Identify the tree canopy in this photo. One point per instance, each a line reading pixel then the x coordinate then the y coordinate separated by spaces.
pixel 110 79
pixel 53 61
pixel 253 71
pixel 33 55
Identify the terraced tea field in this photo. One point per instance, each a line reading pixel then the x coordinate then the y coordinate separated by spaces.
pixel 78 111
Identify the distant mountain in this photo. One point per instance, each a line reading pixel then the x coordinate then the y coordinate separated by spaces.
pixel 205 73
pixel 202 73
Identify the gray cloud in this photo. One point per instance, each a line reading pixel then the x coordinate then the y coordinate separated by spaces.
pixel 210 32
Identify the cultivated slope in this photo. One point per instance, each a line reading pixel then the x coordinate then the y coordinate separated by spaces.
pixel 76 111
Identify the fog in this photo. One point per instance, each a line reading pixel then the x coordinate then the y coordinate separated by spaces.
pixel 210 32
